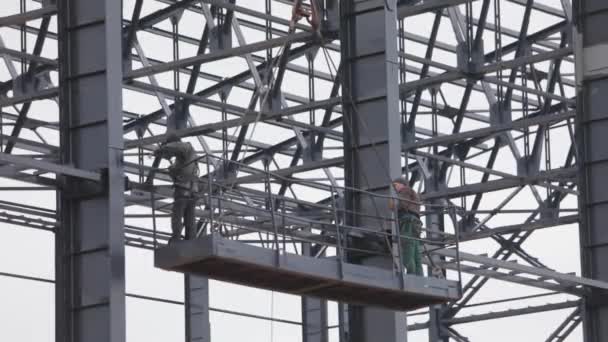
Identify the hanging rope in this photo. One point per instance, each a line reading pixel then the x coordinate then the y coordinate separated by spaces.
pixel 272 315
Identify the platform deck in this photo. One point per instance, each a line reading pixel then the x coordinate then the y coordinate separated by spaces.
pixel 228 260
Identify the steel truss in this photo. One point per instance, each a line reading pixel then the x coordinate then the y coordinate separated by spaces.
pixel 487 96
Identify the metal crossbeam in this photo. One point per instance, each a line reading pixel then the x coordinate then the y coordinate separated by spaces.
pixel 22 18
pixel 516 268
pixel 57 169
pixel 427 6
pixel 501 98
pixel 221 54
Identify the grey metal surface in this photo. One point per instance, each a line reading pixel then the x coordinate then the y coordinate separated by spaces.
pixel 234 261
pixel 89 258
pixel 314 310
pixel 536 87
pixel 372 141
pixel 592 120
pixel 196 302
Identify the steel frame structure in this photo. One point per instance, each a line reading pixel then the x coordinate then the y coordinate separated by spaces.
pixel 497 115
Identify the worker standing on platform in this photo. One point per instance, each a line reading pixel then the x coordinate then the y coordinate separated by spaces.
pixel 184 173
pixel 408 212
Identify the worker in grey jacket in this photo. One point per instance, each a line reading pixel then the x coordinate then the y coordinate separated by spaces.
pixel 184 172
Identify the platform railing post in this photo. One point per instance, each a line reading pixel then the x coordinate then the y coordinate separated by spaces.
pixel 153 204
pixel 209 195
pixel 338 234
pixel 458 265
pixel 396 233
pixel 272 216
pixel 220 193
pixel 283 226
pixel 140 158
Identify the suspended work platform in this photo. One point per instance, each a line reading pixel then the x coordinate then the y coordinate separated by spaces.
pixel 218 258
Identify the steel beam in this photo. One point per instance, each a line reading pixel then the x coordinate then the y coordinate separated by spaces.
pixel 220 54
pixel 427 6
pixel 314 310
pixel 592 159
pixel 516 228
pixel 28 77
pixel 514 312
pixel 248 117
pixel 46 166
pixel 89 244
pixel 516 268
pixel 489 132
pixel 22 18
pixel 371 140
pixel 501 184
pixel 36 169
pixel 566 327
pixel 287 172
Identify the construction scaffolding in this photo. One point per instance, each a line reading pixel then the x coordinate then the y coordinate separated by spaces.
pixel 302 113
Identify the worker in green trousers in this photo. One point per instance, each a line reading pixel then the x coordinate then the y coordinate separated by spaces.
pixel 408 212
pixel 411 256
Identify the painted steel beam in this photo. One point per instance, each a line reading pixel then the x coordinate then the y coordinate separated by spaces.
pixel 248 117
pixel 405 11
pixel 216 88
pixel 530 39
pixel 300 37
pixel 371 141
pixel 566 327
pixel 283 173
pixel 22 18
pixel 314 310
pixel 542 8
pixel 89 243
pixel 43 94
pixel 592 158
pixel 501 184
pixel 163 14
pixel 451 76
pixel 45 166
pixel 516 228
pixel 28 56
pixel 506 250
pixel 485 170
pixel 514 312
pixel 516 268
pixel 302 70
pixel 489 132
pixel 24 110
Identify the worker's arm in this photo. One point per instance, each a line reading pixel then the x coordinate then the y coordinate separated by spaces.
pixel 171 149
pixel 391 203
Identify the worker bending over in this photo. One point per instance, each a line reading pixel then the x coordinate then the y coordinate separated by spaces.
pixel 184 173
pixel 408 212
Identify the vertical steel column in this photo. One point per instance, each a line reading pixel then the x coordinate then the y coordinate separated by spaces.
pixel 314 310
pixel 90 270
pixel 371 140
pixel 196 288
pixel 591 46
pixel 197 305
